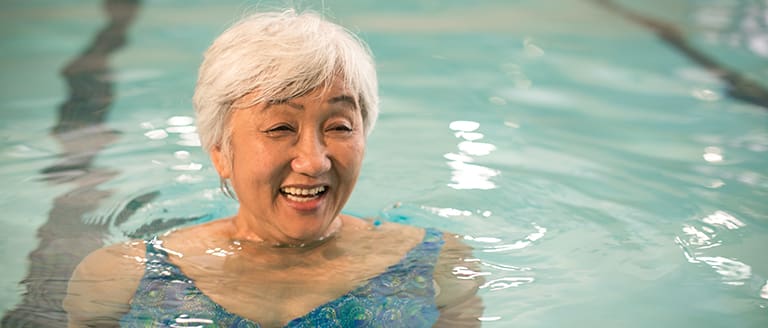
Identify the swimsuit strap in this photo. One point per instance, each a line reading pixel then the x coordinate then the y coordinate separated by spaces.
pixel 158 265
pixel 402 296
pixel 166 297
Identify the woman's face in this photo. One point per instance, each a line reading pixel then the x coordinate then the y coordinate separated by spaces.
pixel 294 162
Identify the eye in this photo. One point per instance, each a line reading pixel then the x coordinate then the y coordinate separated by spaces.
pixel 339 129
pixel 279 130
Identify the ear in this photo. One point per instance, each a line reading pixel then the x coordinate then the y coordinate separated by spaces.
pixel 221 162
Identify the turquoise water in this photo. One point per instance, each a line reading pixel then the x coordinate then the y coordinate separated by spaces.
pixel 603 176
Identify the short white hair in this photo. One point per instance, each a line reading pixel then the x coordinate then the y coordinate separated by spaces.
pixel 281 55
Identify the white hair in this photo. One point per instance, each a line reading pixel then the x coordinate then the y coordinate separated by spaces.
pixel 281 55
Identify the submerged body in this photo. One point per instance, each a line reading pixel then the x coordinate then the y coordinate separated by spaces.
pixel 199 276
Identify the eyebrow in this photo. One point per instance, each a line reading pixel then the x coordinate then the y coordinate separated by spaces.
pixel 344 98
pixel 270 103
pixel 338 99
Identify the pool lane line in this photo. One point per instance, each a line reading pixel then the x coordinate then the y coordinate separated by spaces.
pixel 738 86
pixel 64 240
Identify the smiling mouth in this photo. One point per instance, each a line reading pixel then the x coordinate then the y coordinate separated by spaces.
pixel 302 195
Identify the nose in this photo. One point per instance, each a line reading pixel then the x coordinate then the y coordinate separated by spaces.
pixel 311 157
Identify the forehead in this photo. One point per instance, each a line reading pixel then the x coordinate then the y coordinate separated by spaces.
pixel 334 91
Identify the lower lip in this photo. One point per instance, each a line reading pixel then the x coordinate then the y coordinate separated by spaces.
pixel 305 206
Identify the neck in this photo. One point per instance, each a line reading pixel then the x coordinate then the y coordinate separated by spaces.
pixel 243 233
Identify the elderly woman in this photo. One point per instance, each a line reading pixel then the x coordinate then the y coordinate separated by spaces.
pixel 284 102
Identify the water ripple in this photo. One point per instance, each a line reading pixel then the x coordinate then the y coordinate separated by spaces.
pixel 706 237
pixel 499 266
pixel 520 244
pixel 504 283
pixel 733 272
pixel 24 151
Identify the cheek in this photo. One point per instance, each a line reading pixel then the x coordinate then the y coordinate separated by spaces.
pixel 351 158
pixel 255 164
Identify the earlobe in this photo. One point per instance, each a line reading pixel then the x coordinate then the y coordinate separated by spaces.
pixel 220 162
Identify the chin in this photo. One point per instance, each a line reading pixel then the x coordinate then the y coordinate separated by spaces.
pixel 304 233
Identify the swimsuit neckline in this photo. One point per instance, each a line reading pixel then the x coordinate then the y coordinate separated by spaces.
pixel 430 237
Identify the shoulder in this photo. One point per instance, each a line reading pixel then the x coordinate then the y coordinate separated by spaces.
pixel 194 238
pixel 103 283
pixel 457 274
pixel 371 231
pixel 101 265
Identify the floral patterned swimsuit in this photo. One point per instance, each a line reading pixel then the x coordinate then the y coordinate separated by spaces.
pixel 402 296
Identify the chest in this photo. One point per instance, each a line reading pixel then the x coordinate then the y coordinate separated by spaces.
pixel 274 293
pixel 274 297
pixel 386 279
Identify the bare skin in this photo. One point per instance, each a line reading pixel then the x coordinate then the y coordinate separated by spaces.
pixel 247 281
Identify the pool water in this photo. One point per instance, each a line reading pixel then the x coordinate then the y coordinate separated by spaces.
pixel 604 176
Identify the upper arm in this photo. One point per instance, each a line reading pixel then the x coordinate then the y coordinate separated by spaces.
pixel 458 279
pixel 102 285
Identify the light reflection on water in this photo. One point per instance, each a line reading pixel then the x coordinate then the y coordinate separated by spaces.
pixel 707 238
pixel 600 180
pixel 504 283
pixel 183 127
pixel 466 175
pixel 519 244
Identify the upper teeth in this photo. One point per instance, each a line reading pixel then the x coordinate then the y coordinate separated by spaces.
pixel 303 191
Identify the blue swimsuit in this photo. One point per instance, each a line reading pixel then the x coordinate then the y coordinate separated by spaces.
pixel 402 296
